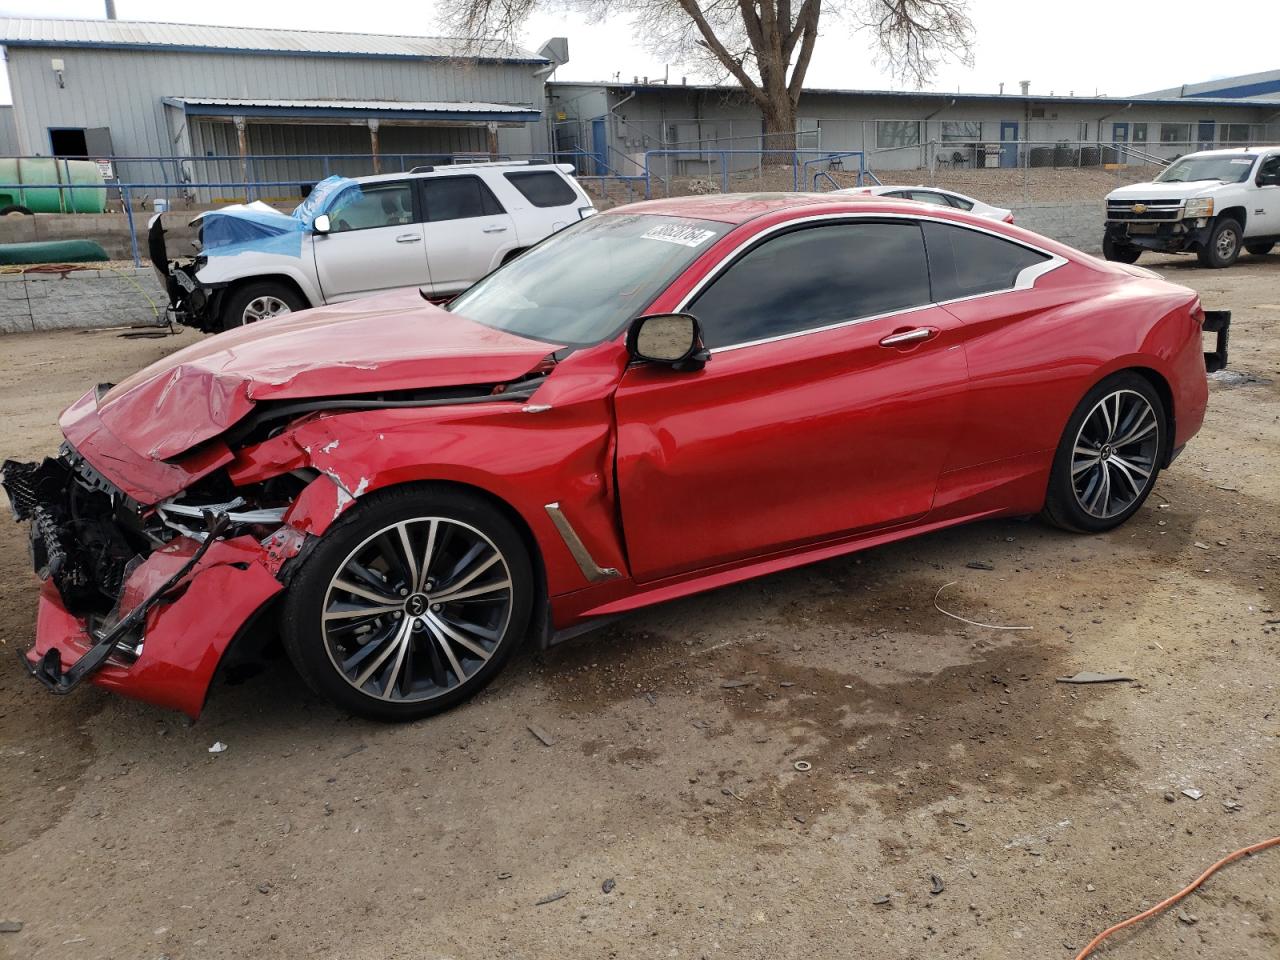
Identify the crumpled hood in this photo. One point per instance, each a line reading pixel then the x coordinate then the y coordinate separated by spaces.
pixel 394 341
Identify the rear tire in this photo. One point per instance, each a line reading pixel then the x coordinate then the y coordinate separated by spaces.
pixel 1119 253
pixel 373 628
pixel 1109 455
pixel 262 300
pixel 15 210
pixel 1223 247
pixel 1259 249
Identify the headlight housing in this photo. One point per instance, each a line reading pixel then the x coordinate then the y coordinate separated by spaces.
pixel 1199 207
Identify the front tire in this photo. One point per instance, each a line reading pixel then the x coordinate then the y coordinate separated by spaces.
pixel 259 301
pixel 1120 253
pixel 1224 245
pixel 1259 249
pixel 1109 455
pixel 410 604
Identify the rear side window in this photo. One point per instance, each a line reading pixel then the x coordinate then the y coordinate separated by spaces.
pixel 928 196
pixel 543 188
pixel 965 263
pixel 815 277
pixel 458 198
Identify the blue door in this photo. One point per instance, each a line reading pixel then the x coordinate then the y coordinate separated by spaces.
pixel 1009 143
pixel 1120 134
pixel 600 146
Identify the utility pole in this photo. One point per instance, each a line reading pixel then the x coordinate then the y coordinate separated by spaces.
pixel 111 9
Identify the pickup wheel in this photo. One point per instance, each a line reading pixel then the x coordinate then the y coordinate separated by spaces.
pixel 259 301
pixel 1223 247
pixel 1259 249
pixel 1118 252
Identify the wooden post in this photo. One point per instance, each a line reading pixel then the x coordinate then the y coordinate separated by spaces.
pixel 242 139
pixel 492 129
pixel 373 146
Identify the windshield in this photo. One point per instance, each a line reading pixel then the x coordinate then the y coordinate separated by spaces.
pixel 584 284
pixel 1227 168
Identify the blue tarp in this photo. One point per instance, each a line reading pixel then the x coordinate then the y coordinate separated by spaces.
pixel 257 228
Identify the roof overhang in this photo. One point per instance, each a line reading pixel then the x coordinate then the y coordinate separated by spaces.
pixel 391 111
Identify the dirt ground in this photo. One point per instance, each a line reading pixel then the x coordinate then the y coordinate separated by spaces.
pixel 1047 811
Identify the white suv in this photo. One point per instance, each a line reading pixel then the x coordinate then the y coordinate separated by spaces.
pixel 436 228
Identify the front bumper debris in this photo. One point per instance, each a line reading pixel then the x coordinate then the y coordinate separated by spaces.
pixel 148 620
pixel 1177 236
pixel 1217 322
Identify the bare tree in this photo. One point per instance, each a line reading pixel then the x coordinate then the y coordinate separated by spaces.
pixel 764 45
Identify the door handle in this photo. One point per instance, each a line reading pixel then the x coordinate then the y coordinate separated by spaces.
pixel 494 228
pixel 409 238
pixel 907 337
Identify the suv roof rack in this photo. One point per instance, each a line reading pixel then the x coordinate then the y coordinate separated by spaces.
pixel 458 164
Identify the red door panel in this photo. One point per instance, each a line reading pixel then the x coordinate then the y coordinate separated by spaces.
pixel 786 442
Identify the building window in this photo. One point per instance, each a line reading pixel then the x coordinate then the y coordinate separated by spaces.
pixel 1139 133
pixel 897 133
pixel 1175 133
pixel 1235 134
pixel 967 131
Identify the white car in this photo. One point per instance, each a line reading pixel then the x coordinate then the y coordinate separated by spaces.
pixel 938 197
pixel 439 229
pixel 1213 204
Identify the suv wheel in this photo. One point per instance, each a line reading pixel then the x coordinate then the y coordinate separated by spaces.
pixel 1259 249
pixel 1223 246
pixel 1118 252
pixel 259 301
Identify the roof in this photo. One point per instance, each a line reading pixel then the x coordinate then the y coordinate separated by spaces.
pixel 135 34
pixel 1246 86
pixel 928 95
pixel 738 208
pixel 357 109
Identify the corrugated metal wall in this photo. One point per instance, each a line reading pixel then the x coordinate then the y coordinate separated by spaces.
pixel 8 131
pixel 123 89
pixel 416 145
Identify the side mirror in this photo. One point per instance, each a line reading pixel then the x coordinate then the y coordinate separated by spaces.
pixel 674 339
pixel 321 225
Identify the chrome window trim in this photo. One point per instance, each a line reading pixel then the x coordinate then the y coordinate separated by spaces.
pixel 1024 281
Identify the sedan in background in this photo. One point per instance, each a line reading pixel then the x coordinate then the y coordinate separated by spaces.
pixel 663 399
pixel 938 197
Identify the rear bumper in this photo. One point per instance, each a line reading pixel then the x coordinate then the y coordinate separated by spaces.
pixel 181 641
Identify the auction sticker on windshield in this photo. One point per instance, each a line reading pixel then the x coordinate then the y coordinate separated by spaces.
pixel 684 234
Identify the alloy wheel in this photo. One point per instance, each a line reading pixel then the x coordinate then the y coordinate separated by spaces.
pixel 264 308
pixel 1114 457
pixel 417 609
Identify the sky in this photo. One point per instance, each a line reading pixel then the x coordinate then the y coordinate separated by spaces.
pixel 1084 47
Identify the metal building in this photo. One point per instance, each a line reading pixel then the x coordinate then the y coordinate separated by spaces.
pixel 227 95
pixel 617 124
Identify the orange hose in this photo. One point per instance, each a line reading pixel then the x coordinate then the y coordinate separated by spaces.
pixel 1166 904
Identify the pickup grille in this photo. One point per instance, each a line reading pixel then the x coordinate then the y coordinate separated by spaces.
pixel 1148 210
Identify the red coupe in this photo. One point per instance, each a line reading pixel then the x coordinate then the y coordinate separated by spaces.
pixel 663 399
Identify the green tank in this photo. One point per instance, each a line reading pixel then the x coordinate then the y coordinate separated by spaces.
pixel 82 192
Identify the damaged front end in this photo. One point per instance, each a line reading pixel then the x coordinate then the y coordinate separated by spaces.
pixel 190 302
pixel 126 586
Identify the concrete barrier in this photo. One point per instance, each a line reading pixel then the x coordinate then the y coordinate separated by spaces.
pixel 80 298
pixel 109 229
pixel 1076 224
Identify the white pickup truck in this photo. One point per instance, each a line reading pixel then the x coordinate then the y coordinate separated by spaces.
pixel 1210 203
